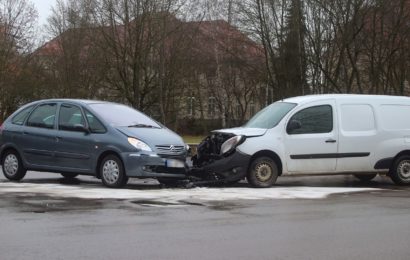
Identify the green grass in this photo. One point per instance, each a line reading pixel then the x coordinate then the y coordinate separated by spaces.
pixel 193 139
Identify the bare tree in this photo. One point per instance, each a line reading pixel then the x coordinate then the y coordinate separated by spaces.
pixel 70 58
pixel 17 20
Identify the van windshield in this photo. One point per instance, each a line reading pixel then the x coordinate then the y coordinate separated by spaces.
pixel 270 116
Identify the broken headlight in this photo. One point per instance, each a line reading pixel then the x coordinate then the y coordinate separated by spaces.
pixel 230 144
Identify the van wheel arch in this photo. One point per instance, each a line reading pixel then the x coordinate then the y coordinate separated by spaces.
pixel 394 159
pixel 101 157
pixel 271 155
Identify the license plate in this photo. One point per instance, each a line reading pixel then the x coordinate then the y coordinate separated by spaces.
pixel 172 163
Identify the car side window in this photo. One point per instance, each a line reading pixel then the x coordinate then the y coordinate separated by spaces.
pixel 43 116
pixel 94 124
pixel 69 117
pixel 312 120
pixel 21 116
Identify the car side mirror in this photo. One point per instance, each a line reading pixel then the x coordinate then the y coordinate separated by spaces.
pixel 294 125
pixel 81 128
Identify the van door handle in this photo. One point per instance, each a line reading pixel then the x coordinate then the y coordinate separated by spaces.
pixel 330 141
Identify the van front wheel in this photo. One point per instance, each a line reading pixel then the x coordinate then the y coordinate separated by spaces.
pixel 263 172
pixel 400 173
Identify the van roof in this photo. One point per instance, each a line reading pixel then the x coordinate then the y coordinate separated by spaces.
pixel 344 97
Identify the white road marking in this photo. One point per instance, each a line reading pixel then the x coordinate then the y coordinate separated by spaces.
pixel 175 195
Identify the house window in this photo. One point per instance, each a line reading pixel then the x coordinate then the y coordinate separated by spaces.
pixel 191 106
pixel 211 106
pixel 252 108
pixel 238 111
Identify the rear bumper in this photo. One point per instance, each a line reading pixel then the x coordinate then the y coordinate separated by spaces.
pixel 151 165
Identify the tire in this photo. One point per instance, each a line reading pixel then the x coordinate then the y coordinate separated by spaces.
pixel 112 172
pixel 12 165
pixel 69 175
pixel 263 172
pixel 169 182
pixel 365 177
pixel 400 172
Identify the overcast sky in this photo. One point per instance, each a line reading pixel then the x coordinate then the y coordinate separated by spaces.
pixel 44 9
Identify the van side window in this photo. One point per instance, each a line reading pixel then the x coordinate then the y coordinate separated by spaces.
pixel 312 120
pixel 21 116
pixel 43 116
pixel 69 117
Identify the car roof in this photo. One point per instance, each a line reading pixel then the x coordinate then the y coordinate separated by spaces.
pixel 344 97
pixel 78 101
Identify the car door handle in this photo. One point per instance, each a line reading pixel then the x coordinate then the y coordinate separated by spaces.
pixel 330 141
pixel 58 138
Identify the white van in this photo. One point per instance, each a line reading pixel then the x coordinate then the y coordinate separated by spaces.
pixel 363 135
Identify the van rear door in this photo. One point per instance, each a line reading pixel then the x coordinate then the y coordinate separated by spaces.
pixel 311 138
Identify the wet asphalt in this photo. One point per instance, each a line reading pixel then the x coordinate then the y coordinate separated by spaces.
pixel 371 224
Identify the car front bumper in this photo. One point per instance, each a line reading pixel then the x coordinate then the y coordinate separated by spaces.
pixel 152 165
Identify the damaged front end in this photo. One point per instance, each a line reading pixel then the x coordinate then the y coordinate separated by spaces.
pixel 217 159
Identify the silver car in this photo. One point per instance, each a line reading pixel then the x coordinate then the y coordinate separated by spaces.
pixel 108 140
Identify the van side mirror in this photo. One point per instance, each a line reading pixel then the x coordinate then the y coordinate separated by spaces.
pixel 293 125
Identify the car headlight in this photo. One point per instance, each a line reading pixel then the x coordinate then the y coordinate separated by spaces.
pixel 187 147
pixel 232 143
pixel 139 144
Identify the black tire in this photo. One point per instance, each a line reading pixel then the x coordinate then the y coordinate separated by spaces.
pixel 263 172
pixel 69 175
pixel 400 172
pixel 112 172
pixel 365 177
pixel 12 165
pixel 169 182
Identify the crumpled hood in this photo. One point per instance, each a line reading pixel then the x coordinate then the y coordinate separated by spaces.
pixel 153 136
pixel 248 132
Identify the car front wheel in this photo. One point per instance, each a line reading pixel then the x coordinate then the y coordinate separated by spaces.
pixel 112 172
pixel 263 172
pixel 400 172
pixel 12 165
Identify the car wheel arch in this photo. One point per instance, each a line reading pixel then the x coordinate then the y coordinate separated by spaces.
pixel 11 148
pixel 271 155
pixel 101 157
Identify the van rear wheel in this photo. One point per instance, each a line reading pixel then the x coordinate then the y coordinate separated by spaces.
pixel 400 172
pixel 365 177
pixel 263 172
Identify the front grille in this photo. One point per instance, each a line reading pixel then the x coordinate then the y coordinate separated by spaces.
pixel 170 149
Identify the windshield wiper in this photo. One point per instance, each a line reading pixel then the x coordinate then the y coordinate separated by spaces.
pixel 143 126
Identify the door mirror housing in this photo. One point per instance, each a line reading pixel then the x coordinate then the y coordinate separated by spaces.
pixel 293 125
pixel 81 128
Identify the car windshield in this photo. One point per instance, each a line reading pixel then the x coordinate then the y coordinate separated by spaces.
pixel 270 116
pixel 121 115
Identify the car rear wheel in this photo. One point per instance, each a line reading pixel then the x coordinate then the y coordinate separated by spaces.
pixel 400 172
pixel 112 172
pixel 365 177
pixel 12 165
pixel 263 172
pixel 69 175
